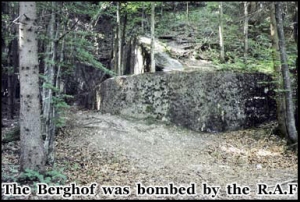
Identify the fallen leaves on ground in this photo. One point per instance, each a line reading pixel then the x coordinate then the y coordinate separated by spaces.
pixel 245 157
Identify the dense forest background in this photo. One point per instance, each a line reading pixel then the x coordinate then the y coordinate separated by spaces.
pixel 85 38
pixel 81 44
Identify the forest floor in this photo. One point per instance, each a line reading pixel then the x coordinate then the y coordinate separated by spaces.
pixel 119 151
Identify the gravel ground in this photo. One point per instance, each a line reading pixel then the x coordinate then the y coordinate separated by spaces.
pixel 166 153
pixel 118 151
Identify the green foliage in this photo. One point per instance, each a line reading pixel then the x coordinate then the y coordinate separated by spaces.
pixel 264 66
pixel 83 8
pixel 134 7
pixel 6 27
pixel 149 109
pixel 31 175
pixel 212 6
pixel 52 177
pixel 58 102
pixel 76 166
pixel 12 135
pixel 7 70
pixel 50 86
pixel 10 174
pixel 86 57
pixel 259 55
pixel 60 105
pixel 79 42
pixel 56 176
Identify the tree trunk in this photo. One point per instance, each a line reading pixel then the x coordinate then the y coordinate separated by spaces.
pixel 9 96
pixel 119 40
pixel 296 63
pixel 61 59
pixel 48 106
pixel 11 77
pixel 222 51
pixel 123 61
pixel 143 18
pixel 114 61
pixel 152 69
pixel 253 7
pixel 14 77
pixel 32 154
pixel 256 13
pixel 187 11
pixel 292 135
pixel 246 22
pixel 280 102
pixel 174 7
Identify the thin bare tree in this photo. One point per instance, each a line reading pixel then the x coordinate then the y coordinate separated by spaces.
pixel 292 135
pixel 152 37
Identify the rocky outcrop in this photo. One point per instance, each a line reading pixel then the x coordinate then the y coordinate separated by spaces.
pixel 165 63
pixel 202 101
pixel 137 57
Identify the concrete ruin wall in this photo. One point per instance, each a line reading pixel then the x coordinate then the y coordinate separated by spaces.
pixel 202 101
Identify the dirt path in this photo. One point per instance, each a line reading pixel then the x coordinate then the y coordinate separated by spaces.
pixel 125 151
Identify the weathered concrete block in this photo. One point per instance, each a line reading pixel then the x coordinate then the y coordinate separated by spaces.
pixel 202 101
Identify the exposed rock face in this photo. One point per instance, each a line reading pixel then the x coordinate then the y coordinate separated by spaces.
pixel 202 101
pixel 165 63
pixel 137 57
